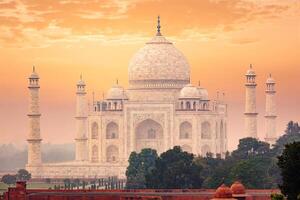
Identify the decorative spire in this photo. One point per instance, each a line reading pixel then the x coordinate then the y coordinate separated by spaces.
pixel 158 26
pixel 270 75
pixel 117 81
pixel 250 66
pixel 33 68
pixel 199 83
pixel 81 76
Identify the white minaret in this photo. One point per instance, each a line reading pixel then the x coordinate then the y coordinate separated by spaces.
pixel 34 137
pixel 250 104
pixel 270 117
pixel 81 122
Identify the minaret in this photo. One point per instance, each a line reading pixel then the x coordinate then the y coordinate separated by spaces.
pixel 250 104
pixel 34 136
pixel 270 117
pixel 81 122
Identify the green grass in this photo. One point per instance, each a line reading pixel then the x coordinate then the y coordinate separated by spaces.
pixel 40 185
pixel 3 187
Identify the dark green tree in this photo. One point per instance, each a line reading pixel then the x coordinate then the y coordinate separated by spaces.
pixel 292 134
pixel 253 172
pixel 140 164
pixel 23 175
pixel 175 169
pixel 9 179
pixel 251 147
pixel 289 164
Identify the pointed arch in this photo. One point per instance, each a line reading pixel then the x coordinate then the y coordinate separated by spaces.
pixel 95 154
pixel 149 134
pixel 112 130
pixel 185 130
pixel 205 130
pixel 94 130
pixel 112 153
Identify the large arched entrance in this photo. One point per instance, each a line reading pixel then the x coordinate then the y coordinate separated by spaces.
pixel 149 134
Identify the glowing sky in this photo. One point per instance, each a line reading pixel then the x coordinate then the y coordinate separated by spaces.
pixel 97 38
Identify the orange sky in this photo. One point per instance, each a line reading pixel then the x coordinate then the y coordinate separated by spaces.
pixel 97 38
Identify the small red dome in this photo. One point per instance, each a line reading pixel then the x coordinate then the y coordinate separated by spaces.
pixel 223 192
pixel 237 188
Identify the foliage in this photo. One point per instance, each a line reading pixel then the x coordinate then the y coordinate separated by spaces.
pixel 23 175
pixel 277 197
pixel 175 169
pixel 252 163
pixel 9 179
pixel 289 164
pixel 140 164
pixel 249 147
pixel 292 134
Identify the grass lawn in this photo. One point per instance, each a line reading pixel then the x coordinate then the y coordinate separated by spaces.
pixel 40 185
pixel 3 187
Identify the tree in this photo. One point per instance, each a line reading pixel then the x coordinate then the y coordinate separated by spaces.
pixel 9 179
pixel 175 169
pixel 292 134
pixel 23 175
pixel 289 164
pixel 277 197
pixel 140 164
pixel 251 147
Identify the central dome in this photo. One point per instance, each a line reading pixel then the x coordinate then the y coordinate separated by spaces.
pixel 158 64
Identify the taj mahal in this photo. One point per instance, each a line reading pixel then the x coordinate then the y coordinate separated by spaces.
pixel 160 109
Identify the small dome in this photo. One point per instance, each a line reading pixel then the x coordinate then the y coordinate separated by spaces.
pixel 34 75
pixel 223 192
pixel 80 82
pixel 237 188
pixel 250 71
pixel 204 93
pixel 116 92
pixel 270 80
pixel 190 92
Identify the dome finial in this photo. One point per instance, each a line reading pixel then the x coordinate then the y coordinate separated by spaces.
pixel 158 26
pixel 199 83
pixel 250 66
pixel 81 76
pixel 117 81
pixel 33 68
pixel 270 75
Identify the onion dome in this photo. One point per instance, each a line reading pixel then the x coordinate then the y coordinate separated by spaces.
pixel 116 93
pixel 34 75
pixel 223 192
pixel 159 64
pixel 270 80
pixel 250 71
pixel 190 92
pixel 238 188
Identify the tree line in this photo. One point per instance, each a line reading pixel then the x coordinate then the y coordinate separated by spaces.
pixel 255 163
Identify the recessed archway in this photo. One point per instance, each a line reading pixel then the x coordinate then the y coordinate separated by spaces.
pixel 149 134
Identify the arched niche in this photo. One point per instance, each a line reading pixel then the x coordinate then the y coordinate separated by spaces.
pixel 185 130
pixel 94 130
pixel 112 130
pixel 95 154
pixel 149 134
pixel 112 153
pixel 205 130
